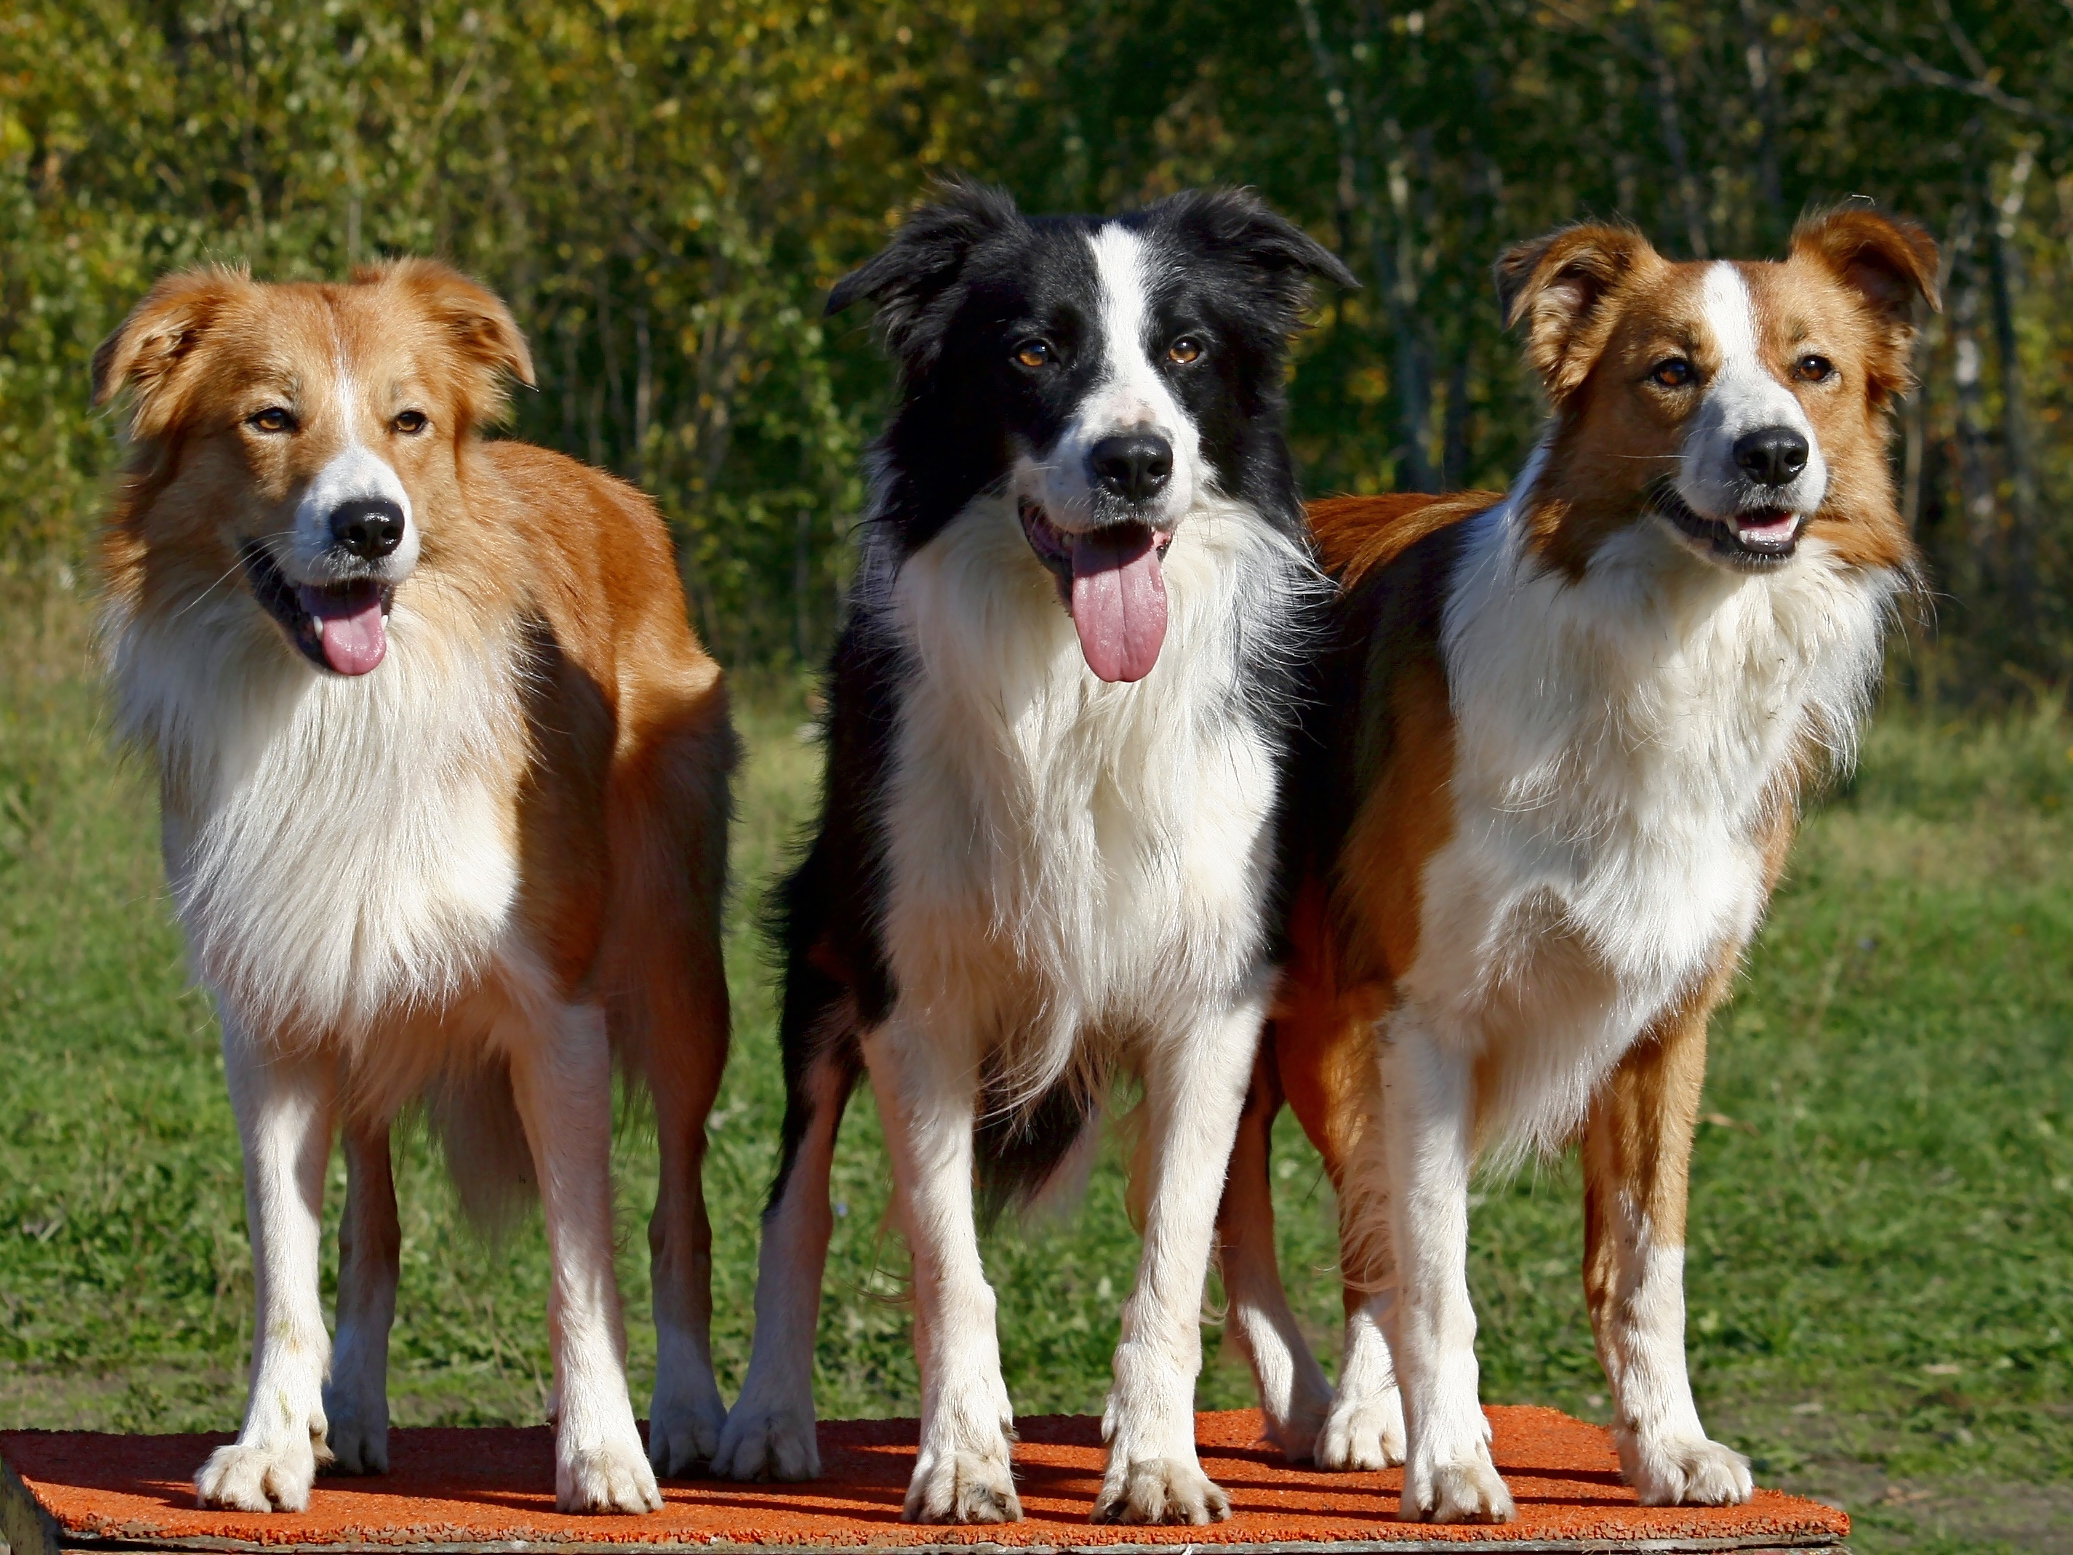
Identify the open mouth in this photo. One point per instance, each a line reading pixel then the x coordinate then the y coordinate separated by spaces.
pixel 1754 537
pixel 1112 581
pixel 341 627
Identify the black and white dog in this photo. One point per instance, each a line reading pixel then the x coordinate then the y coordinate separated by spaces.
pixel 1046 847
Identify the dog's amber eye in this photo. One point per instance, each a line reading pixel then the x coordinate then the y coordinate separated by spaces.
pixel 1672 372
pixel 272 419
pixel 1184 350
pixel 1813 369
pixel 411 422
pixel 1034 353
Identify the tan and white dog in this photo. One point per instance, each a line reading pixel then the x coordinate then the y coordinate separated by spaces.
pixel 1565 736
pixel 445 788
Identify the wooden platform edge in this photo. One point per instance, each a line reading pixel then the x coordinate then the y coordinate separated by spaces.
pixel 27 1527
pixel 1767 1544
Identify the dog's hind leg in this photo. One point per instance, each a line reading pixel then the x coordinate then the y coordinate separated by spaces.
pixel 1294 1394
pixel 1637 1152
pixel 561 1079
pixel 283 1101
pixel 356 1398
pixel 769 1432
pixel 1195 1086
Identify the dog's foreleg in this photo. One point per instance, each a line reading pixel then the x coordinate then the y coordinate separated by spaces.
pixel 769 1432
pixel 926 1079
pixel 561 1079
pixel 1195 1084
pixel 1428 1127
pixel 283 1102
pixel 356 1399
pixel 1294 1395
pixel 1637 1153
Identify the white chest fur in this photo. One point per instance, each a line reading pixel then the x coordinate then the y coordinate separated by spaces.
pixel 1071 859
pixel 342 851
pixel 1621 742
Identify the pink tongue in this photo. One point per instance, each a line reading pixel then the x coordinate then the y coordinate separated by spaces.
pixel 1776 531
pixel 1118 601
pixel 354 635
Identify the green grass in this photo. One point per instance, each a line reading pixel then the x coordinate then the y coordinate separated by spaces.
pixel 1882 1229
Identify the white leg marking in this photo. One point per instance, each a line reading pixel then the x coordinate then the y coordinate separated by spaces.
pixel 686 1413
pixel 1194 1090
pixel 925 1076
pixel 283 1104
pixel 769 1432
pixel 1428 1118
pixel 1664 1451
pixel 1294 1394
pixel 356 1399
pixel 561 1078
pixel 1365 1429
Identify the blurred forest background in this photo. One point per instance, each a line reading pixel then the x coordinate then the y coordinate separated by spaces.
pixel 665 190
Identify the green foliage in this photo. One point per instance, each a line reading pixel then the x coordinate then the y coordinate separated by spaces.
pixel 665 190
pixel 1881 1236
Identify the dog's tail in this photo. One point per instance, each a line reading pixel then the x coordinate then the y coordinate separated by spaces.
pixel 475 1119
pixel 1039 1153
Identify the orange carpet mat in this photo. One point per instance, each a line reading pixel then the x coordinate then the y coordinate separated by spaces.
pixel 484 1489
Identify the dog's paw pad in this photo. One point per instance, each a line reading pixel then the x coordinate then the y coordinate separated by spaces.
pixel 1470 1492
pixel 608 1477
pixel 259 1478
pixel 1689 1471
pixel 1362 1435
pixel 760 1444
pixel 962 1487
pixel 1160 1490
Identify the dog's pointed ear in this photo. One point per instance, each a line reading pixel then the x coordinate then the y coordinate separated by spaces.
pixel 1889 263
pixel 1239 223
pixel 161 333
pixel 1557 286
pixel 923 261
pixel 474 321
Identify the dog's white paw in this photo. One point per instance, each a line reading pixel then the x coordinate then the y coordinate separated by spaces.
pixel 683 1433
pixel 1465 1492
pixel 953 1485
pixel 358 1435
pixel 1361 1435
pixel 260 1477
pixel 768 1441
pixel 608 1476
pixel 1684 1471
pixel 1160 1490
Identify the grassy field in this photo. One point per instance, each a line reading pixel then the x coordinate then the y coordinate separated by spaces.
pixel 1883 1227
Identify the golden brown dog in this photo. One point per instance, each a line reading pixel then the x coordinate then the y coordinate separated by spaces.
pixel 445 788
pixel 1564 743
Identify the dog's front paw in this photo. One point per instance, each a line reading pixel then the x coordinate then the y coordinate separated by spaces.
pixel 1362 1434
pixel 951 1485
pixel 605 1477
pixel 1160 1490
pixel 1684 1471
pixel 259 1476
pixel 684 1433
pixel 1466 1492
pixel 767 1441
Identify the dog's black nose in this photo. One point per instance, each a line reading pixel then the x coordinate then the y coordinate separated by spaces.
pixel 1771 456
pixel 1136 467
pixel 369 527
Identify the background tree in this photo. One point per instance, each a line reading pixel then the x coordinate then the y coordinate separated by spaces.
pixel 665 190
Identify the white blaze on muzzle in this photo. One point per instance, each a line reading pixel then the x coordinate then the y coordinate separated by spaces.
pixel 1744 402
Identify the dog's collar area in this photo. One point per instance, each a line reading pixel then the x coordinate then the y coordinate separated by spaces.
pixel 1754 539
pixel 284 601
pixel 1054 546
